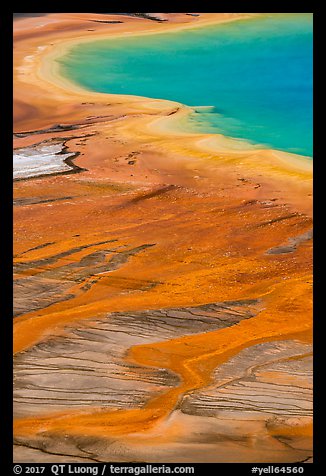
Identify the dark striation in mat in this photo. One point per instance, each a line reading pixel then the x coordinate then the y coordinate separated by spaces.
pixel 21 202
pixel 291 245
pixel 87 367
pixel 54 128
pixel 273 378
pixel 38 285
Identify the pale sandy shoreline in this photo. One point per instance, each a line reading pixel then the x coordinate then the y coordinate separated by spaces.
pixel 48 70
pixel 194 160
pixel 157 224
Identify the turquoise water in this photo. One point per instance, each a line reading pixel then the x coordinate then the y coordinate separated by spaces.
pixel 256 73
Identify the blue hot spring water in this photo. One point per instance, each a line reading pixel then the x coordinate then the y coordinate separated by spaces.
pixel 255 73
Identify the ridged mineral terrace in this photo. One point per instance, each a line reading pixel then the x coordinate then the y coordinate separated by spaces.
pixel 163 292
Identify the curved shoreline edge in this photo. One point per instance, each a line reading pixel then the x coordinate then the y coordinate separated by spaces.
pixel 169 124
pixel 36 77
pixel 158 220
pixel 49 71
